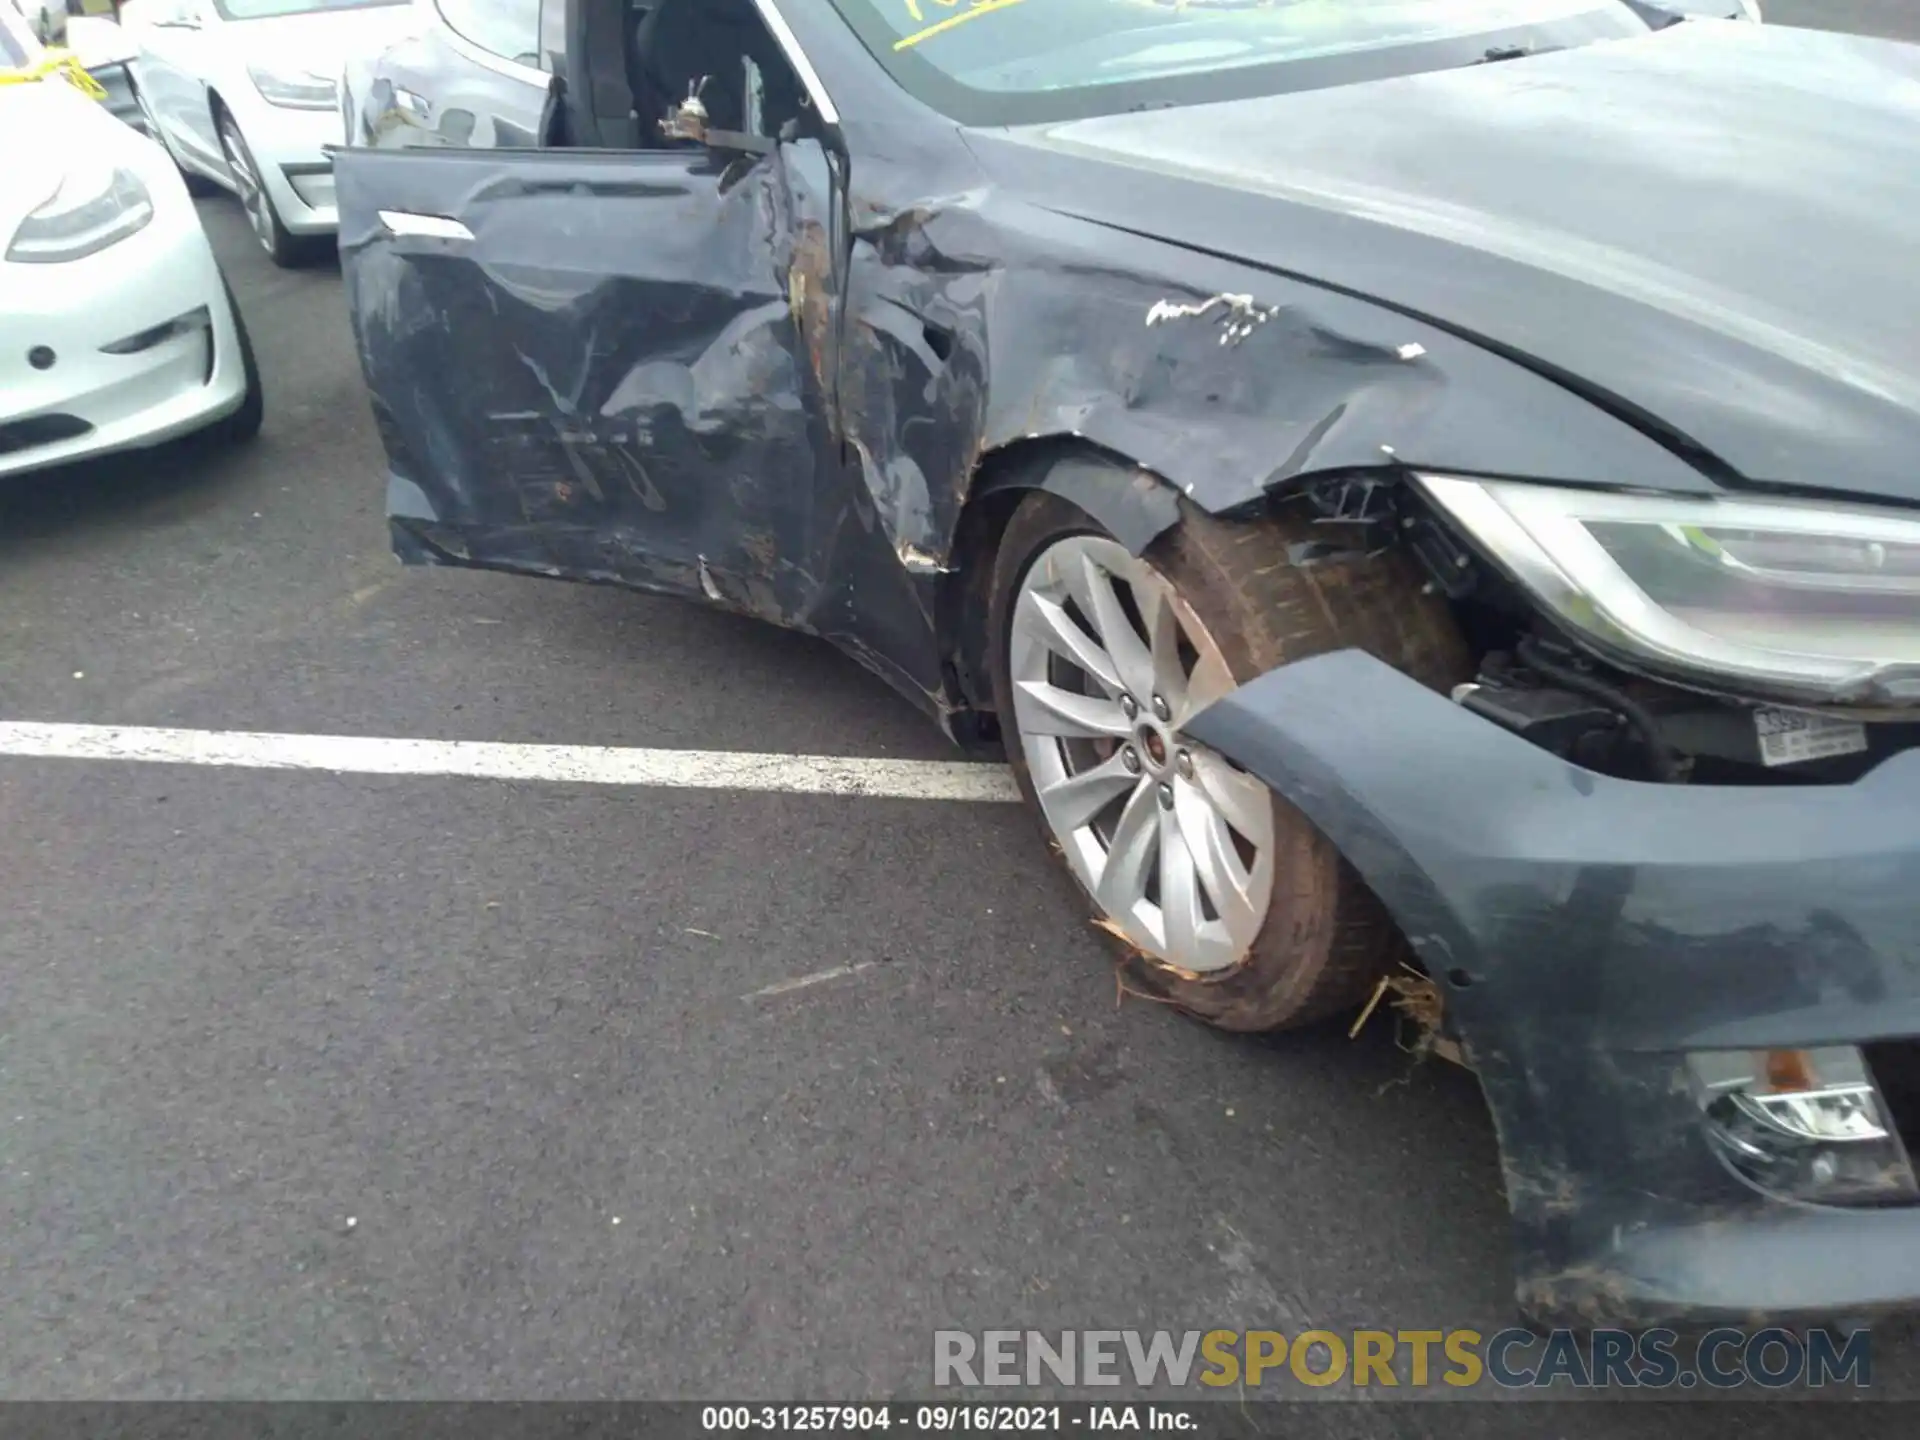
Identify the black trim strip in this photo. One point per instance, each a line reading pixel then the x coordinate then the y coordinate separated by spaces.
pixel 197 319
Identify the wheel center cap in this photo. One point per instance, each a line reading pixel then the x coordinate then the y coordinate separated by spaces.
pixel 1153 747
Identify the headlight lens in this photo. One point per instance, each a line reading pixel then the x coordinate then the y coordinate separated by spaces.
pixel 294 89
pixel 95 206
pixel 1804 601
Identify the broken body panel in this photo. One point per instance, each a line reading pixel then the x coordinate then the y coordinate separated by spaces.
pixel 799 366
pixel 1701 231
pixel 1589 933
pixel 611 367
pixel 674 373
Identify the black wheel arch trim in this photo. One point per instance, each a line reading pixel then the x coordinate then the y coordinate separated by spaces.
pixel 1135 505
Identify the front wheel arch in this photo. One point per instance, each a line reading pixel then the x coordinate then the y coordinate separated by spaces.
pixel 1135 504
pixel 216 107
pixel 218 110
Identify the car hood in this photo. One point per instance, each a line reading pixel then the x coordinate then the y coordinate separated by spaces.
pixel 322 42
pixel 44 128
pixel 1713 230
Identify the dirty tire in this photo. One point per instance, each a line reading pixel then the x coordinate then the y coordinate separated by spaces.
pixel 244 423
pixel 1326 940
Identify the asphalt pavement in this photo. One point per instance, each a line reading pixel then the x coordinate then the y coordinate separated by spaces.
pixel 336 1085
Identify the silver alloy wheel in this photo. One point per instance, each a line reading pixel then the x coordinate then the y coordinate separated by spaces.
pixel 253 195
pixel 1173 842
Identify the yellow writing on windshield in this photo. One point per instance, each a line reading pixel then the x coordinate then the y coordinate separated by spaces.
pixel 959 17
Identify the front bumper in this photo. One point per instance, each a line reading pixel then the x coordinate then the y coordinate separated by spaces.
pixel 131 364
pixel 1588 933
pixel 290 147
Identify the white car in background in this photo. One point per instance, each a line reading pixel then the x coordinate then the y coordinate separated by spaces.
pixel 244 93
pixel 117 330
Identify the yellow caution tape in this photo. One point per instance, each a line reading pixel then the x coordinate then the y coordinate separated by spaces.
pixel 63 64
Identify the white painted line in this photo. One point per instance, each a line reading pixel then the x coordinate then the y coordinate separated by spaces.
pixel 565 764
pixel 820 977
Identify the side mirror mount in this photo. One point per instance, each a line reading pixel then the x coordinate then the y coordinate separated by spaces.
pixel 688 120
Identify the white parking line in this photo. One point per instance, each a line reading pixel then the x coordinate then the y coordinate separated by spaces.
pixel 566 764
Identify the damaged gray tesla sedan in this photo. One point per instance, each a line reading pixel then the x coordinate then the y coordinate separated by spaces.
pixel 1427 493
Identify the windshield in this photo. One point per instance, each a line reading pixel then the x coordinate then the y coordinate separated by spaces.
pixel 989 62
pixel 273 9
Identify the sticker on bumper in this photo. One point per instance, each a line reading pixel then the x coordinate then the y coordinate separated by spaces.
pixel 1793 737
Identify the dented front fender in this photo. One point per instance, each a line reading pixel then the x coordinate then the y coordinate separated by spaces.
pixel 978 321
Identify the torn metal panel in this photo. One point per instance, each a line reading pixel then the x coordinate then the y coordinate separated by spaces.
pixel 692 356
pixel 1239 316
pixel 1591 932
pixel 646 381
pixel 914 369
pixel 1485 269
pixel 977 322
pixel 1587 213
pixel 1319 381
pixel 820 350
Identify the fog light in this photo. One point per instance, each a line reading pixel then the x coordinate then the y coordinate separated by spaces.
pixel 1804 1124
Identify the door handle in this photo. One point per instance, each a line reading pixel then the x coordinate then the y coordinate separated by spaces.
pixel 404 223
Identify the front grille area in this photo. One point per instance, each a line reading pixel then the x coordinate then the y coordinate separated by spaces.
pixel 36 430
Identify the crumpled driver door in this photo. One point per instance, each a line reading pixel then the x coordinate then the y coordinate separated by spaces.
pixel 585 364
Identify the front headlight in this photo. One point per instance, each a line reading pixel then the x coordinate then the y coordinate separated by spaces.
pixel 294 89
pixel 95 206
pixel 1781 598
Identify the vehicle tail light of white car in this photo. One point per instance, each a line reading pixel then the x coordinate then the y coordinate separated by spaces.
pixel 94 206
